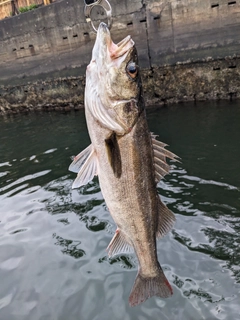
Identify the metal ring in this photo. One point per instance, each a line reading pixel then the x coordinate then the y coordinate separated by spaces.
pixel 106 6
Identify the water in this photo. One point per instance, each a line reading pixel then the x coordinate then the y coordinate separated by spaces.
pixel 53 260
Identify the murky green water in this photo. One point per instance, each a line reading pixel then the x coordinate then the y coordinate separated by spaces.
pixel 53 261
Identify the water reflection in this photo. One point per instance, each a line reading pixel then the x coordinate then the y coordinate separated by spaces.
pixel 124 261
pixel 70 247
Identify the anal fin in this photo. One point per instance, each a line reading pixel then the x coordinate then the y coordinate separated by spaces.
pixel 166 220
pixel 119 245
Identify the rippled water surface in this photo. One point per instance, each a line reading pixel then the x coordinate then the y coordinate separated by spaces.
pixel 53 260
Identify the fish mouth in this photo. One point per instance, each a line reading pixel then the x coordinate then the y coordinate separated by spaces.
pixel 115 50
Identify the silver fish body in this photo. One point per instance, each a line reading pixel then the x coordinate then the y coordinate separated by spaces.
pixel 128 160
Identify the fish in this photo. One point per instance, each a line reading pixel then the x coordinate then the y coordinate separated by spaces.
pixel 128 160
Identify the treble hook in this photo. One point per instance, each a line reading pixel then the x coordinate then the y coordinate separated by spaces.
pixel 89 4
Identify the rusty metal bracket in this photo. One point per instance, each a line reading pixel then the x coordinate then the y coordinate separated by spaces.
pixel 89 4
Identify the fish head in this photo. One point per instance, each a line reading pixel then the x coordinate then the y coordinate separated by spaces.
pixel 113 83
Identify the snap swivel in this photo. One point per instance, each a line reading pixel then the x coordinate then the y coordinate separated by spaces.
pixel 89 4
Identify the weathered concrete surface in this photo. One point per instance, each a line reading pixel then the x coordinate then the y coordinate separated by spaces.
pixel 181 30
pixel 57 38
pixel 178 43
pixel 199 81
pixel 54 94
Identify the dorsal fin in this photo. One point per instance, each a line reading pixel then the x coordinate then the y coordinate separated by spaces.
pixel 160 155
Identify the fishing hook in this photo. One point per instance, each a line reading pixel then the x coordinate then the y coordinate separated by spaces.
pixel 89 4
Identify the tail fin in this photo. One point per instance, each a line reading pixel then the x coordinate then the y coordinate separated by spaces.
pixel 145 288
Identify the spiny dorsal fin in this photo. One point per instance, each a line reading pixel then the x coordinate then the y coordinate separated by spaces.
pixel 114 155
pixel 166 220
pixel 119 245
pixel 86 163
pixel 160 155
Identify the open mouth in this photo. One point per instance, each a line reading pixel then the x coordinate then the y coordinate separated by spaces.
pixel 115 50
pixel 118 50
pixel 122 43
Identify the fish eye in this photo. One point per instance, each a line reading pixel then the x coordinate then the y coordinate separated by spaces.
pixel 132 70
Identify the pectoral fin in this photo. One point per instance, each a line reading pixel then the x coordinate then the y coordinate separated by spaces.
pixel 79 160
pixel 160 155
pixel 85 163
pixel 114 155
pixel 166 220
pixel 119 245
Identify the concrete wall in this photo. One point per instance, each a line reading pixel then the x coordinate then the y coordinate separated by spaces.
pixel 56 37
pixel 193 29
pixel 54 42
pixel 198 81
